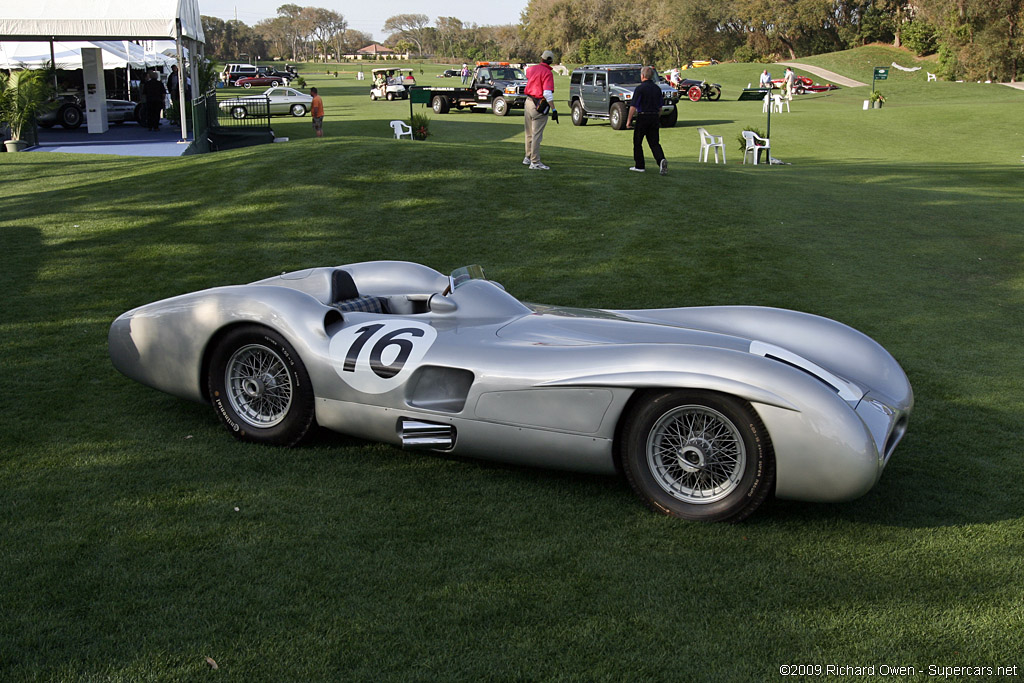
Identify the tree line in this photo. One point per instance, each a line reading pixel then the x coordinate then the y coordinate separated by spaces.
pixel 973 39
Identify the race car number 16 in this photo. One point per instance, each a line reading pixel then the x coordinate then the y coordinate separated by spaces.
pixel 379 356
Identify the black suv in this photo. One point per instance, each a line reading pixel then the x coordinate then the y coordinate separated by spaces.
pixel 603 91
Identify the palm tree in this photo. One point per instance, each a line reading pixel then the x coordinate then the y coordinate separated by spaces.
pixel 23 92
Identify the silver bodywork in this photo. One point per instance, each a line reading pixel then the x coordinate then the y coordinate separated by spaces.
pixel 280 99
pixel 485 375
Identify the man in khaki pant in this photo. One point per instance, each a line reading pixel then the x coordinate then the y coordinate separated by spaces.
pixel 540 102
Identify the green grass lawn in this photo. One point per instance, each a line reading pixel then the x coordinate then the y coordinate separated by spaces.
pixel 139 538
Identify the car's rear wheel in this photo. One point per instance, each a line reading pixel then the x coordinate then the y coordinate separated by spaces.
pixel 259 387
pixel 238 112
pixel 69 116
pixel 698 455
pixel 499 106
pixel 439 105
pixel 695 93
pixel 273 84
pixel 298 110
pixel 579 117
pixel 617 116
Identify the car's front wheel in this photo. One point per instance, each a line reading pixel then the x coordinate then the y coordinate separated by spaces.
pixel 390 96
pixel 714 93
pixel 499 106
pixel 247 85
pixel 670 119
pixel 698 455
pixel 70 116
pixel 238 112
pixel 617 116
pixel 298 110
pixel 259 387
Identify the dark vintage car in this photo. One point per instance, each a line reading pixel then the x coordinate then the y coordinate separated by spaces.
pixel 272 80
pixel 68 111
pixel 697 90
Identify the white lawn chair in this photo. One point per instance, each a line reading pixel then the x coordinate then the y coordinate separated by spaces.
pixel 931 76
pixel 756 143
pixel 778 102
pixel 767 103
pixel 709 142
pixel 401 129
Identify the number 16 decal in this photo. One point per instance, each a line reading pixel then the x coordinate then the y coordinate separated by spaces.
pixel 379 356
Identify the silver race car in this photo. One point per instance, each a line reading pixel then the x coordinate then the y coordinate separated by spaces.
pixel 706 410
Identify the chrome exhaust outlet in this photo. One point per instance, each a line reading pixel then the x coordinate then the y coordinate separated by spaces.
pixel 416 434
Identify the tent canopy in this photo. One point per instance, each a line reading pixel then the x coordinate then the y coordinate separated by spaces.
pixel 101 20
pixel 68 54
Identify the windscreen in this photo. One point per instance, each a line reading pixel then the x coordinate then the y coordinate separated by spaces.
pixel 509 74
pixel 463 275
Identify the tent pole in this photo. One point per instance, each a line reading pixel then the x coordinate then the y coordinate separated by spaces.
pixel 53 64
pixel 181 82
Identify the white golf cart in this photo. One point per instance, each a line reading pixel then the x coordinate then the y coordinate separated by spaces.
pixel 391 83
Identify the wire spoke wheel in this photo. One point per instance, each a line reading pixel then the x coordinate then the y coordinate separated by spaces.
pixel 696 454
pixel 258 385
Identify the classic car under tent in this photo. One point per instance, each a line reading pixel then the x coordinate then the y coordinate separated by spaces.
pixel 54 21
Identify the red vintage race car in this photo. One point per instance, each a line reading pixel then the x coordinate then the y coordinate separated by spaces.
pixel 803 84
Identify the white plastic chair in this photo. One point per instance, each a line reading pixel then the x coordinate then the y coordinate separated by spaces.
pixel 401 129
pixel 931 76
pixel 755 143
pixel 709 142
pixel 778 102
pixel 767 103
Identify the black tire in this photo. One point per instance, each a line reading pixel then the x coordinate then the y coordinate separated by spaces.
pixel 439 104
pixel 714 93
pixel 499 106
pixel 259 387
pixel 298 110
pixel 390 96
pixel 273 84
pixel 247 85
pixel 139 116
pixel 579 117
pixel 800 90
pixel 669 120
pixel 239 113
pixel 70 116
pixel 698 455
pixel 617 116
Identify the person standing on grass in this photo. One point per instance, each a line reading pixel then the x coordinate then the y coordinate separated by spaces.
pixel 788 83
pixel 645 107
pixel 316 110
pixel 540 102
pixel 465 73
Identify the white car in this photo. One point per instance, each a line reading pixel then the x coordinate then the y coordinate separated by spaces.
pixel 280 100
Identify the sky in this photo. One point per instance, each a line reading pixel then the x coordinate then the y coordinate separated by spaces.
pixel 369 17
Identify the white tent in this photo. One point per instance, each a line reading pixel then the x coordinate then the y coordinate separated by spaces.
pixel 68 54
pixel 109 20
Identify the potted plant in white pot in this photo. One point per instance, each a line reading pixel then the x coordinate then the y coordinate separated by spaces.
pixel 23 93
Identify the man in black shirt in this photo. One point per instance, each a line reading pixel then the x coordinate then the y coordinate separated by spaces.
pixel 645 107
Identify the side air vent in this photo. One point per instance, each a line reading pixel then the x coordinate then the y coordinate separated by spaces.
pixel 847 391
pixel 420 435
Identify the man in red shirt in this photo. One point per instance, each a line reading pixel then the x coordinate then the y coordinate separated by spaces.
pixel 540 102
pixel 316 110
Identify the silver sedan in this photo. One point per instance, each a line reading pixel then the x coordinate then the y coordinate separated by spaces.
pixel 281 100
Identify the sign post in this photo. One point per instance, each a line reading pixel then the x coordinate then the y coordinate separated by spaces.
pixel 881 73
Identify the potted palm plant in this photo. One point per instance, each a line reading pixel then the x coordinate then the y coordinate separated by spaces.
pixel 23 92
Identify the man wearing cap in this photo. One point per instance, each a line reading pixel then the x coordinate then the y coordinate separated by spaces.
pixel 540 102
